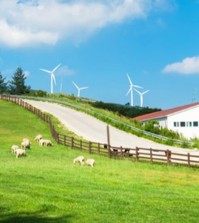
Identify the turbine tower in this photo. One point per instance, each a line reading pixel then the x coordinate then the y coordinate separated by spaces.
pixel 79 89
pixel 132 86
pixel 141 96
pixel 52 76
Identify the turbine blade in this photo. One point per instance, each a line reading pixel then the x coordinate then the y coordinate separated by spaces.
pixel 137 86
pixel 56 68
pixel 137 91
pixel 82 88
pixel 130 89
pixel 145 91
pixel 129 80
pixel 75 85
pixel 47 71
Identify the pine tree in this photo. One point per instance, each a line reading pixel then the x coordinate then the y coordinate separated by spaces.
pixel 17 84
pixel 3 84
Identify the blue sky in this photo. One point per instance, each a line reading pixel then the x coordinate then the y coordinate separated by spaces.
pixel 98 42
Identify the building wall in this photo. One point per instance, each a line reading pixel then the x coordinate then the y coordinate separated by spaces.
pixel 185 122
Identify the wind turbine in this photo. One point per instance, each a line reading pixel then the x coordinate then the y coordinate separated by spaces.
pixel 132 86
pixel 79 89
pixel 52 76
pixel 141 96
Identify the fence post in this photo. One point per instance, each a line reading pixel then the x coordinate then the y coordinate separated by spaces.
pixel 121 150
pixel 108 141
pixel 90 146
pixel 188 159
pixel 168 154
pixel 72 142
pixel 137 153
pixel 151 155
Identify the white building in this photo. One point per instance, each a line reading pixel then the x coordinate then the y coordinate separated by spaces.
pixel 183 119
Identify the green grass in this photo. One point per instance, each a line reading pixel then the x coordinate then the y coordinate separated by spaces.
pixel 116 120
pixel 46 186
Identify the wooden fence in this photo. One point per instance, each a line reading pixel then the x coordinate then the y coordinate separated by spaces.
pixel 135 154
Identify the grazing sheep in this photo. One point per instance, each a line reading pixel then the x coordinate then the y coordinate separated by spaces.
pixel 45 142
pixel 20 152
pixel 25 144
pixel 41 142
pixel 14 148
pixel 38 137
pixel 79 159
pixel 90 162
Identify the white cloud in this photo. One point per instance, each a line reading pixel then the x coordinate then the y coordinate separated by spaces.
pixel 189 65
pixel 29 22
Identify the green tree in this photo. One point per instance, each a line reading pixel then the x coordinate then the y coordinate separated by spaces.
pixel 17 84
pixel 3 84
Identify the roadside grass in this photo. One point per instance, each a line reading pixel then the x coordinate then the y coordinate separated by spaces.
pixel 46 187
pixel 116 120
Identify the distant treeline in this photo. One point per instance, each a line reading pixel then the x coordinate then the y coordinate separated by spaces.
pixel 124 110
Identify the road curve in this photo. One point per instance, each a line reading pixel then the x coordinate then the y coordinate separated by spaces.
pixel 95 130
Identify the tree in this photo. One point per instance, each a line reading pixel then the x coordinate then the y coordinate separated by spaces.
pixel 17 84
pixel 3 84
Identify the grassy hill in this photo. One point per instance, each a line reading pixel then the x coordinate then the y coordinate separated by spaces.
pixel 112 115
pixel 46 187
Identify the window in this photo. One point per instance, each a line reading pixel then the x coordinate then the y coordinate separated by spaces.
pixel 176 124
pixel 195 124
pixel 182 124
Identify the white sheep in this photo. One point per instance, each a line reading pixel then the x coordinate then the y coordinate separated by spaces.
pixel 38 137
pixel 90 162
pixel 25 144
pixel 20 152
pixel 45 142
pixel 79 159
pixel 14 148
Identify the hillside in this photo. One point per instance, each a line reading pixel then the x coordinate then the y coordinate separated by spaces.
pixel 46 186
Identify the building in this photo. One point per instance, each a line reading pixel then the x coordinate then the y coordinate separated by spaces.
pixel 183 119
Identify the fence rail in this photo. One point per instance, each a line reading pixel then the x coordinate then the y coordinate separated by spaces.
pixel 135 154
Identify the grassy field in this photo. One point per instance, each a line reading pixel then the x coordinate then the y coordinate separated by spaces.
pixel 46 187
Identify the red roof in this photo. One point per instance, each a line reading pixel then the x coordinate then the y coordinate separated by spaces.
pixel 164 113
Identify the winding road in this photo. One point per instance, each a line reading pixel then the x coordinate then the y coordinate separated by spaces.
pixel 95 130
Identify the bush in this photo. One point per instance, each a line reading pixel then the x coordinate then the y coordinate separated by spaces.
pixel 38 93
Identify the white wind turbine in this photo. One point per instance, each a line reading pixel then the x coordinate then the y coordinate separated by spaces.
pixel 79 89
pixel 52 76
pixel 132 86
pixel 141 96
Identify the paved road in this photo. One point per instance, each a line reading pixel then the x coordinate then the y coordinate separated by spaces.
pixel 94 130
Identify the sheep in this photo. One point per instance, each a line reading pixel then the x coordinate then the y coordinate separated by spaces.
pixel 90 162
pixel 79 159
pixel 38 137
pixel 14 148
pixel 20 152
pixel 45 142
pixel 25 143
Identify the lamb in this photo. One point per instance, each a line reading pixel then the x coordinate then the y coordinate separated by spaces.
pixel 14 148
pixel 20 152
pixel 38 137
pixel 25 144
pixel 90 162
pixel 79 159
pixel 45 142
